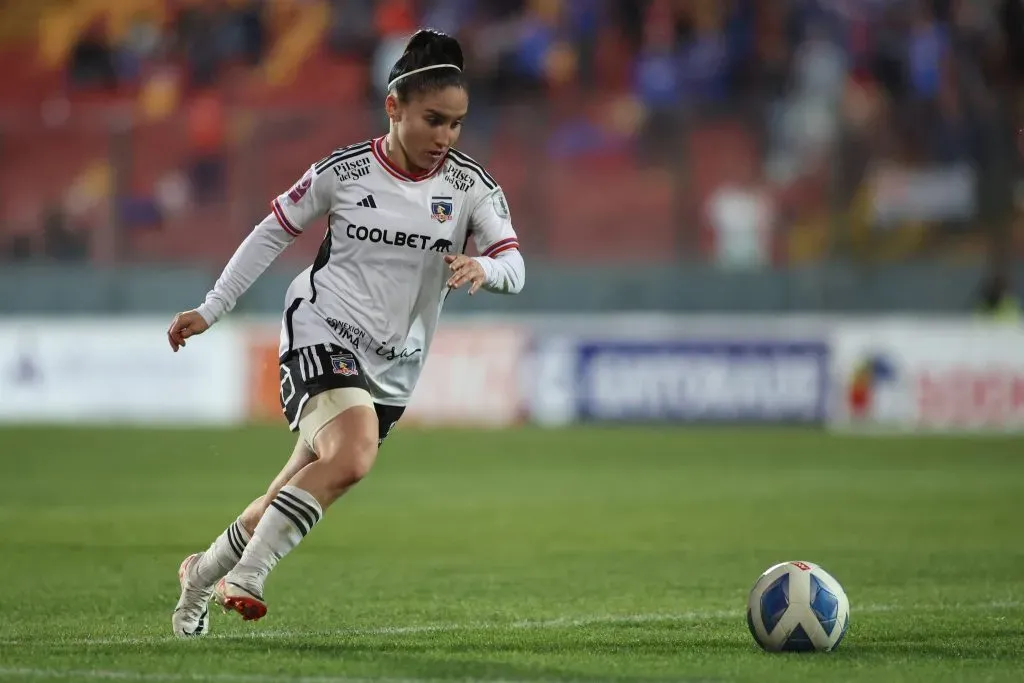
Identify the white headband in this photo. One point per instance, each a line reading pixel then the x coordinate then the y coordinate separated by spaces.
pixel 422 68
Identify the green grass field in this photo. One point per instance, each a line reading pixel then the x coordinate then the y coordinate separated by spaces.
pixel 587 554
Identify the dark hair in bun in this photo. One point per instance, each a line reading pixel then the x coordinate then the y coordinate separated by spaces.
pixel 427 47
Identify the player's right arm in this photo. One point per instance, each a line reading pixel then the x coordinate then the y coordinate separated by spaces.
pixel 291 212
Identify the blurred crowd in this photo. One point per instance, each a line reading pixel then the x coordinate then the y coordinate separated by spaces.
pixel 667 53
pixel 679 49
pixel 934 83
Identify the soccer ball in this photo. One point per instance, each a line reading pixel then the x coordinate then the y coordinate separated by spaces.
pixel 797 607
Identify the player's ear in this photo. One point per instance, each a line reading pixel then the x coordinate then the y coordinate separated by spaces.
pixel 392 107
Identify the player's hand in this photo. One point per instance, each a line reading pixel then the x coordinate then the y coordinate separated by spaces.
pixel 465 269
pixel 185 325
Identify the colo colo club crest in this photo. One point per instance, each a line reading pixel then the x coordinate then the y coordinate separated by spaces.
pixel 441 209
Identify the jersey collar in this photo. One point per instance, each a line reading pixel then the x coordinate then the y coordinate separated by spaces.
pixel 382 158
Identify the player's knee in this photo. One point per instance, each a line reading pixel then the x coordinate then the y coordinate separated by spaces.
pixel 349 446
pixel 351 464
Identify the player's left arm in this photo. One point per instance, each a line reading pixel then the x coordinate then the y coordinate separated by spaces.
pixel 500 267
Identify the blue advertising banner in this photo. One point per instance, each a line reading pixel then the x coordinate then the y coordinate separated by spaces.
pixel 702 381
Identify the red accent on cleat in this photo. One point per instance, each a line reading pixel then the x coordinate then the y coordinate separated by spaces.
pixel 251 609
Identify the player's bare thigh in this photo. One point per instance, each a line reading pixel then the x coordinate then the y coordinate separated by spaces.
pixel 319 424
pixel 342 425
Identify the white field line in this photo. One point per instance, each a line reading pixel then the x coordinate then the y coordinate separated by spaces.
pixel 528 625
pixel 28 673
pixel 451 627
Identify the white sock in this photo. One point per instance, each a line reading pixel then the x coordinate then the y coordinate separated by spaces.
pixel 290 516
pixel 223 554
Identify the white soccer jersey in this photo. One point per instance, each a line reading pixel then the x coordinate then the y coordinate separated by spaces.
pixel 377 285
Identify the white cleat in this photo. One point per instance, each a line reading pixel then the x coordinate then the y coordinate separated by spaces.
pixel 192 613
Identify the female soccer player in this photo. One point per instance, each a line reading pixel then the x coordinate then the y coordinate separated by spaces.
pixel 357 324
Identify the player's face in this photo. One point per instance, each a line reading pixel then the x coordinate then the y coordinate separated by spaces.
pixel 430 123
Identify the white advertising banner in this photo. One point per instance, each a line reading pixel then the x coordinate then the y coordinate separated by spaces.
pixel 472 377
pixel 117 370
pixel 929 376
pixel 854 374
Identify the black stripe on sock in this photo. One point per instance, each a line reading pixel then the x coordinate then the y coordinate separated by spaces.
pixel 291 516
pixel 232 541
pixel 303 505
pixel 240 534
pixel 310 520
pixel 297 510
pixel 236 539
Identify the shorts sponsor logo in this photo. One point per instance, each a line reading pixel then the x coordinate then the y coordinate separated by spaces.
pixel 287 385
pixel 344 364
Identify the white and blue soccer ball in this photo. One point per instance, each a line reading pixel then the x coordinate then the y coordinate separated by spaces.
pixel 798 607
